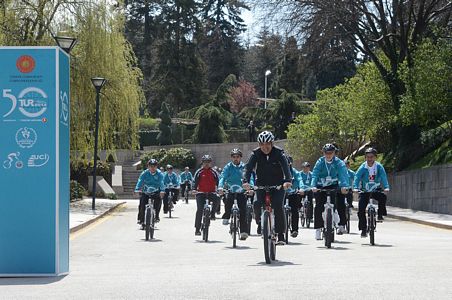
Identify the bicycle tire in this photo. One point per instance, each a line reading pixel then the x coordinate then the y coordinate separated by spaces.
pixel 186 196
pixel 151 231
pixel 206 225
pixel 273 249
pixel 288 220
pixel 347 224
pixel 329 228
pixel 266 236
pixel 302 217
pixel 234 230
pixel 147 224
pixel 249 219
pixel 372 227
pixel 308 221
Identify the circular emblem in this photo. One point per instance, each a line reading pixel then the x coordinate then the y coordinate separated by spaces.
pixel 25 64
pixel 26 137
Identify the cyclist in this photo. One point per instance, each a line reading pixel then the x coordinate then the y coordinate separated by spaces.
pixel 294 197
pixel 232 177
pixel 205 181
pixel 186 179
pixel 272 169
pixel 329 173
pixel 172 183
pixel 370 177
pixel 351 175
pixel 153 178
pixel 306 176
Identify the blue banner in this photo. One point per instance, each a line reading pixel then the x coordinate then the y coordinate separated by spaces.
pixel 34 166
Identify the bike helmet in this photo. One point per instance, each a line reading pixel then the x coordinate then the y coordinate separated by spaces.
pixel 169 167
pixel 206 158
pixel 306 164
pixel 265 137
pixel 370 150
pixel 187 168
pixel 236 151
pixel 153 162
pixel 329 147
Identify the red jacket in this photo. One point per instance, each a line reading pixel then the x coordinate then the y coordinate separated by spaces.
pixel 206 180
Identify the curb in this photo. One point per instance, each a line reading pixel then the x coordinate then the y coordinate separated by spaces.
pixel 413 220
pixel 422 222
pixel 89 222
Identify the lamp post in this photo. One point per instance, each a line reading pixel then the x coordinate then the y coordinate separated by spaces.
pixel 65 42
pixel 98 83
pixel 268 72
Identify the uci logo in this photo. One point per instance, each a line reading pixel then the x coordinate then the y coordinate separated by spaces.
pixel 32 102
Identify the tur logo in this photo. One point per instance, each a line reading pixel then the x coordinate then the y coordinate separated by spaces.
pixel 32 102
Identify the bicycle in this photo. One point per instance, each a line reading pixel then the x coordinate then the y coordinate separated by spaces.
pixel 205 223
pixel 187 190
pixel 288 215
pixel 234 224
pixel 149 213
pixel 372 210
pixel 305 221
pixel 267 223
pixel 170 199
pixel 330 218
pixel 234 229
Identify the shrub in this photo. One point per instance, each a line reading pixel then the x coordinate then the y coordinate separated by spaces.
pixel 82 168
pixel 178 157
pixel 147 124
pixel 77 191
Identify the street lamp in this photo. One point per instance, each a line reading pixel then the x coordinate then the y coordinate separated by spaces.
pixel 65 42
pixel 98 83
pixel 268 72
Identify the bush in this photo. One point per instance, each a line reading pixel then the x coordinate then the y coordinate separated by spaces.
pixel 82 168
pixel 77 191
pixel 178 157
pixel 147 124
pixel 111 159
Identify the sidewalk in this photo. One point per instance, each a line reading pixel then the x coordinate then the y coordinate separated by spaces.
pixel 421 217
pixel 81 214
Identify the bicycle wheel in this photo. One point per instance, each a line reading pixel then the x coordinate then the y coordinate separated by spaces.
pixel 267 237
pixel 147 222
pixel 302 217
pixel 151 229
pixel 205 231
pixel 372 227
pixel 288 220
pixel 347 224
pixel 186 196
pixel 249 219
pixel 329 228
pixel 308 221
pixel 234 229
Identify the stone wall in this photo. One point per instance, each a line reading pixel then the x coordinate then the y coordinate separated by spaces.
pixel 427 189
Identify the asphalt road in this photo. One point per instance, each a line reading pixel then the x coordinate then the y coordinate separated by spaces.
pixel 111 260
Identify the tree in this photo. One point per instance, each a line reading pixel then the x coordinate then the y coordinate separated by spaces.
pixel 164 136
pixel 243 95
pixel 219 39
pixel 392 27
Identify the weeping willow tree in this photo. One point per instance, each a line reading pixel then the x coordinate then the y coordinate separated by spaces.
pixel 102 51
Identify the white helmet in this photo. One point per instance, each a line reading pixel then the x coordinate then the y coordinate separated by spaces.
pixel 265 137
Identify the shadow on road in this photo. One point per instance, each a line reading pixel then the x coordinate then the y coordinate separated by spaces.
pixel 209 242
pixel 30 280
pixel 276 263
pixel 332 248
pixel 238 248
pixel 377 245
pixel 296 244
pixel 152 241
pixel 342 242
